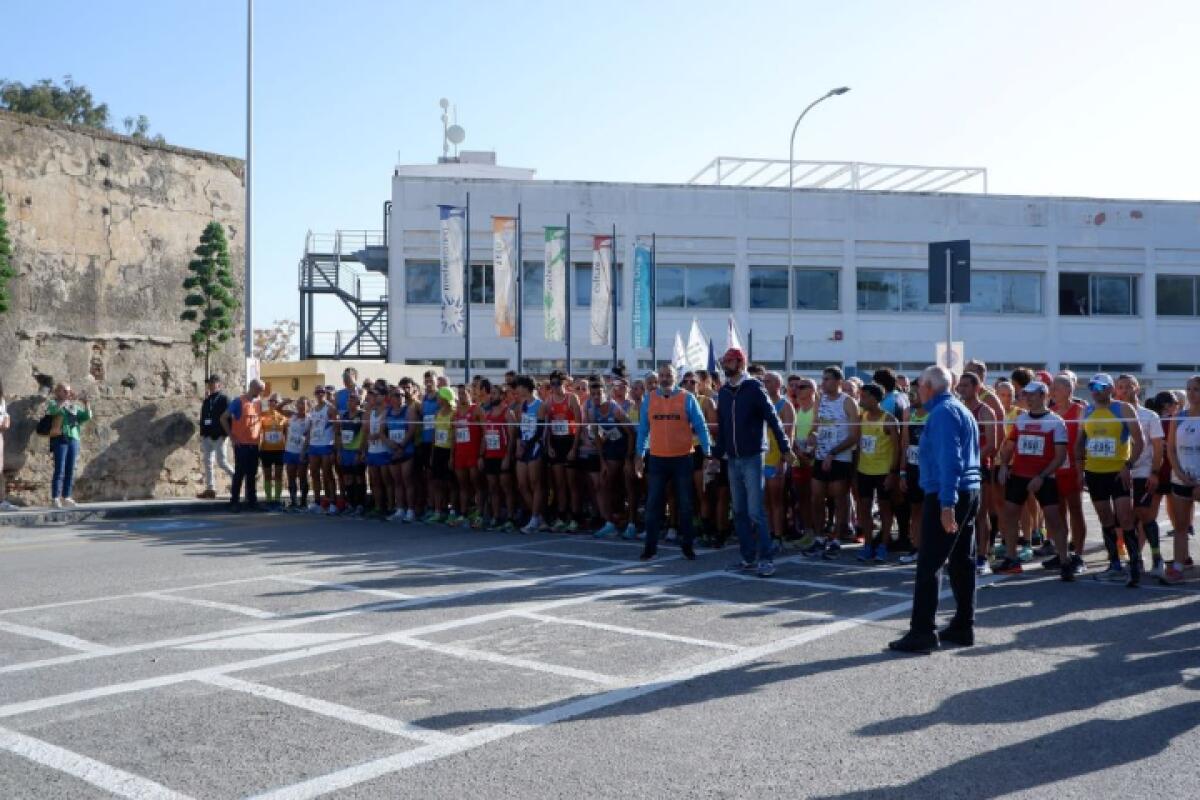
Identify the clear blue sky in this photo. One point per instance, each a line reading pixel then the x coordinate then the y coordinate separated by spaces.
pixel 1077 97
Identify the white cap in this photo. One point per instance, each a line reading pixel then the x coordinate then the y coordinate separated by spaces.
pixel 1037 386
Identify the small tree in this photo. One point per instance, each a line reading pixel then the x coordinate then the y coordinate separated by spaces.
pixel 70 102
pixel 276 343
pixel 210 300
pixel 6 270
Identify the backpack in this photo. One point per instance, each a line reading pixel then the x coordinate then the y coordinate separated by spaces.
pixel 45 425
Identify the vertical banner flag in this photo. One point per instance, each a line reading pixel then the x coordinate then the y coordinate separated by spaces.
pixel 697 347
pixel 641 294
pixel 504 272
pixel 554 284
pixel 452 268
pixel 602 278
pixel 679 355
pixel 732 340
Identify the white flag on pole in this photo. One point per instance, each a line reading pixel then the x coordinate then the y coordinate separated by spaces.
pixel 453 237
pixel 602 252
pixel 554 284
pixel 697 347
pixel 679 358
pixel 732 340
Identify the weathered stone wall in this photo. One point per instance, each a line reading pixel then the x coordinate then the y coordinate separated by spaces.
pixel 103 227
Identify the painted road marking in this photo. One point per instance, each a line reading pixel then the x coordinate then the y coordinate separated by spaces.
pixel 270 641
pixel 483 656
pixel 196 601
pixel 603 626
pixel 60 639
pixel 341 587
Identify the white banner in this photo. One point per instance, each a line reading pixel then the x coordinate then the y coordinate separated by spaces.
pixel 951 359
pixel 602 278
pixel 504 272
pixel 732 340
pixel 679 355
pixel 453 318
pixel 554 284
pixel 697 347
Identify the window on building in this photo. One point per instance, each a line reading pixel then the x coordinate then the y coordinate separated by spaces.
pixel 693 286
pixel 544 366
pixel 531 284
pixel 1190 369
pixel 1177 295
pixel 1086 369
pixel 582 286
pixel 422 283
pixel 893 290
pixel 814 289
pixel 1083 294
pixel 994 292
pixel 483 284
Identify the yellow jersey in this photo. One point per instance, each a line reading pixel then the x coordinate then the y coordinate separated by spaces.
pixel 1107 447
pixel 876 450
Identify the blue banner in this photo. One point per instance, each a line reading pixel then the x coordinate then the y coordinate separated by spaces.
pixel 643 272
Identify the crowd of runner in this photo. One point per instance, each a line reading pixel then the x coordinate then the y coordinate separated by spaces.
pixel 561 454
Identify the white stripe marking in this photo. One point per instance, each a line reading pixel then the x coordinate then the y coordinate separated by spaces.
pixel 333 710
pixel 341 587
pixel 60 639
pixel 833 587
pixel 499 573
pixel 233 608
pixel 468 654
pixel 102 776
pixel 395 763
pixel 602 626
pixel 577 557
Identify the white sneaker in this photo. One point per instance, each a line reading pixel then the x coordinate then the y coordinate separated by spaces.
pixel 7 506
pixel 314 508
pixel 332 512
pixel 672 535
pixel 68 502
pixel 532 526
pixel 57 502
pixel 397 516
pixel 410 516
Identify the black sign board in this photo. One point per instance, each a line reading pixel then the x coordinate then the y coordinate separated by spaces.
pixel 960 271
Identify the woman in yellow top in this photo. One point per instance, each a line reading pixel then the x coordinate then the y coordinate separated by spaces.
pixel 878 471
pixel 443 448
pixel 774 470
pixel 270 448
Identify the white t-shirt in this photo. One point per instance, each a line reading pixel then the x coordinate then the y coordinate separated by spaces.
pixel 1152 429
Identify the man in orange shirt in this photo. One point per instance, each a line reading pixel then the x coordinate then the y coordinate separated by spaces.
pixel 668 419
pixel 242 422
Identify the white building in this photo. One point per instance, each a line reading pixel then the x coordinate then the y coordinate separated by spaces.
pixel 1089 284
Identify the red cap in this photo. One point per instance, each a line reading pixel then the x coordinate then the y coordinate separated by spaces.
pixel 1045 377
pixel 734 352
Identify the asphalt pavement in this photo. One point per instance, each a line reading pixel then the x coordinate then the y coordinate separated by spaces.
pixel 291 656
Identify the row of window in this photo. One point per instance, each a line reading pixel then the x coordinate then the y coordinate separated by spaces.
pixel 711 287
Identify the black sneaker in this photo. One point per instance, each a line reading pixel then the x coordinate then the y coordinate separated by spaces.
pixel 815 549
pixel 1053 562
pixel 1078 565
pixel 688 552
pixel 919 644
pixel 833 549
pixel 961 636
pixel 1135 575
pixel 1047 549
pixel 1067 572
pixel 647 554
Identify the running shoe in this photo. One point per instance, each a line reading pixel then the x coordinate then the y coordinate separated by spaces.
pixel 559 526
pixel 1067 572
pixel 1172 575
pixel 741 566
pixel 607 531
pixel 397 516
pixel 816 548
pixel 454 520
pixel 806 541
pixel 766 569
pixel 1114 574
pixel 672 535
pixel 908 558
pixel 69 502
pixel 1159 569
pixel 1025 553
pixel 572 527
pixel 1038 538
pixel 866 553
pixel 314 509
pixel 532 526
pixel 982 567
pixel 508 526
pixel 430 516
pixel 1047 549
pixel 999 551
pixel 1078 565
pixel 630 533
pixel 410 516
pixel 881 554
pixel 1009 566
pixel 1053 562
pixel 332 511
pixel 833 549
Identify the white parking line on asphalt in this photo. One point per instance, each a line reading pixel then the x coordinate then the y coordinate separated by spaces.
pixel 499 573
pixel 325 708
pixel 576 556
pixel 833 587
pixel 603 626
pixel 233 608
pixel 102 776
pixel 483 656
pixel 341 587
pixel 54 637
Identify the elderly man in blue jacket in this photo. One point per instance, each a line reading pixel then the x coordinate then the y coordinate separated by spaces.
pixel 950 478
pixel 743 412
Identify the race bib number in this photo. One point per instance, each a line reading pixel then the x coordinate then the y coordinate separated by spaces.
pixel 613 434
pixel 396 435
pixel 441 437
pixel 207 422
pixel 826 439
pixel 272 437
pixel 347 437
pixel 429 418
pixel 913 454
pixel 462 435
pixel 295 439
pixel 866 445
pixel 491 440
pixel 559 427
pixel 1102 447
pixel 528 426
pixel 1031 445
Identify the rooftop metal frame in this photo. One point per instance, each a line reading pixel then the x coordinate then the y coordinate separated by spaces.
pixel 857 175
pixel 333 265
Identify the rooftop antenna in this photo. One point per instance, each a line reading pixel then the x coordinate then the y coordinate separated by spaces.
pixel 452 134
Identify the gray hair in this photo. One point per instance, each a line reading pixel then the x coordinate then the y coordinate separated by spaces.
pixel 936 378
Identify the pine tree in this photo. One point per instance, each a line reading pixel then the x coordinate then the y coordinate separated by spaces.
pixel 210 300
pixel 6 270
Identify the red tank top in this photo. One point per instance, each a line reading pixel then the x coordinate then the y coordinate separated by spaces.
pixel 985 435
pixel 495 433
pixel 466 435
pixel 560 411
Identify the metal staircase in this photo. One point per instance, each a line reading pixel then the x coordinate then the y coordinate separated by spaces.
pixel 351 266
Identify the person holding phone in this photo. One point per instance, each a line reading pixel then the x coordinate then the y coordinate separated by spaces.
pixel 69 413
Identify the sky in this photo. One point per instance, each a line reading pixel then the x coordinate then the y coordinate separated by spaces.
pixel 1063 97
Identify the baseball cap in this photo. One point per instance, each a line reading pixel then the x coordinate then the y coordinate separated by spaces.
pixel 734 352
pixel 1037 386
pixel 447 394
pixel 1045 377
pixel 1100 381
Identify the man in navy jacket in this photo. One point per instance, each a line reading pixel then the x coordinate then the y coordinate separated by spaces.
pixel 950 478
pixel 743 408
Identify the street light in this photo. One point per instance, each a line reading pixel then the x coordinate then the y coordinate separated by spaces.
pixel 789 343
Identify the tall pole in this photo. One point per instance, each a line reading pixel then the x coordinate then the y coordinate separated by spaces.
pixel 614 277
pixel 653 302
pixel 248 300
pixel 520 289
pixel 467 293
pixel 949 313
pixel 789 342
pixel 569 267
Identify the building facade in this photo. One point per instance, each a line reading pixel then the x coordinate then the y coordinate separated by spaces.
pixel 1086 284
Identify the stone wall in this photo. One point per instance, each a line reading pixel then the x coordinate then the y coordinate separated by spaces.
pixel 103 227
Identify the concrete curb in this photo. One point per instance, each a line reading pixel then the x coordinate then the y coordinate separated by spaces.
pixel 88 512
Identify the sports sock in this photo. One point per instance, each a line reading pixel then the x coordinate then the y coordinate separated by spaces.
pixel 1152 539
pixel 1110 544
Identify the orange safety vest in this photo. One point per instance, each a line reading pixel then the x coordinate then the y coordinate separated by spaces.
pixel 670 429
pixel 247 428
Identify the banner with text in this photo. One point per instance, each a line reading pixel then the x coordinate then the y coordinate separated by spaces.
pixel 452 218
pixel 642 312
pixel 554 284
pixel 602 286
pixel 504 273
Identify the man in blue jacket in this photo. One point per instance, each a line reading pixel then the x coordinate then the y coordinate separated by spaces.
pixel 743 409
pixel 950 478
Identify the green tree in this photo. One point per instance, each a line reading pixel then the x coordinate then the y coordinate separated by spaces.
pixel 6 270
pixel 210 302
pixel 67 103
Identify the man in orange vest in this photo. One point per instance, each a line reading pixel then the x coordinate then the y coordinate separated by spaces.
pixel 242 422
pixel 669 418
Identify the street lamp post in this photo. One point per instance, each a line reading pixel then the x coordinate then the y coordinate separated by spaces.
pixel 789 343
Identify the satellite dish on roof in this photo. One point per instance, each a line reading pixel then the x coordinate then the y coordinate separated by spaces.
pixel 444 103
pixel 456 134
